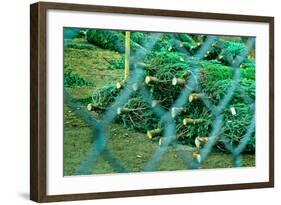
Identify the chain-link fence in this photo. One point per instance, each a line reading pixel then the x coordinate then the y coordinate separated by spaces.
pixel 167 116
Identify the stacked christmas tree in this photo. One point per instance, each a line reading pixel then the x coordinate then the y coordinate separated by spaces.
pixel 168 68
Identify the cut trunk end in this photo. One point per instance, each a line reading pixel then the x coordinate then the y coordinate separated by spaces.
pixel 178 81
pixel 141 64
pixel 199 141
pixel 135 86
pixel 189 121
pixel 93 107
pixel 153 133
pixel 194 97
pixel 120 85
pixel 123 110
pixel 196 156
pixel 164 141
pixel 150 80
pixel 176 110
pixel 154 103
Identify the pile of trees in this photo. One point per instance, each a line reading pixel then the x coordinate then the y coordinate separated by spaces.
pixel 167 71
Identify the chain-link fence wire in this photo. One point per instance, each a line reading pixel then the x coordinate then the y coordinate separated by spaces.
pixel 98 126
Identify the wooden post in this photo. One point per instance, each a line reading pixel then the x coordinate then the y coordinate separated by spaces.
pixel 127 55
pixel 120 85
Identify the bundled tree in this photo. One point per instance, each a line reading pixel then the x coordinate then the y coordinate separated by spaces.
pixel 227 51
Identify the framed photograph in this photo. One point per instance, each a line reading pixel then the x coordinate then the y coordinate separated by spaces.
pixel 134 102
